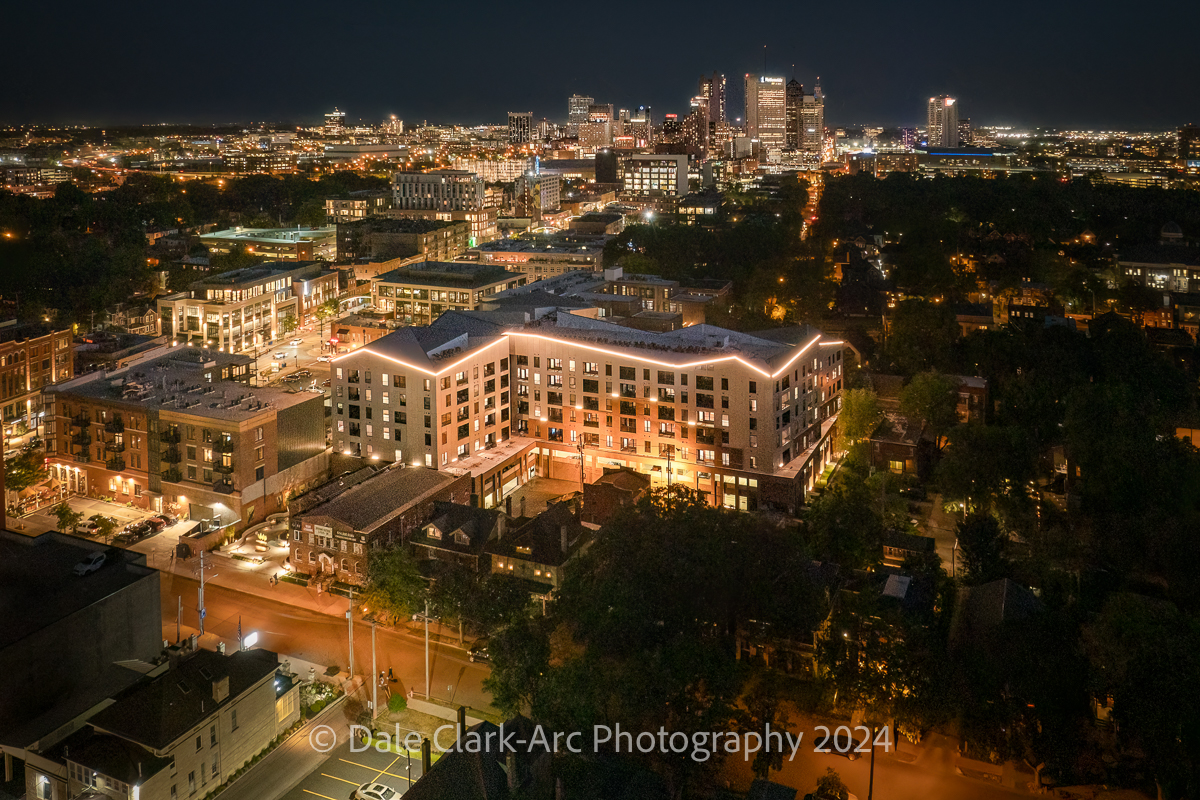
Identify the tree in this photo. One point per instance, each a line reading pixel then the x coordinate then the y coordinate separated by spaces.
pixel 520 657
pixel 932 399
pixel 326 311
pixel 981 543
pixel 23 470
pixel 394 585
pixel 764 706
pixel 921 336
pixel 311 213
pixel 107 527
pixel 67 517
pixel 989 468
pixel 830 786
pixel 859 416
pixel 498 601
pixel 287 324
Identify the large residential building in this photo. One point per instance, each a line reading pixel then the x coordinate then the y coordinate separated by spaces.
pixel 765 110
pixel 284 244
pixel 419 293
pixel 713 90
pixel 653 178
pixel 941 128
pixel 185 433
pixel 536 194
pixel 481 222
pixel 577 112
pixel 32 358
pixel 495 170
pixel 243 309
pixel 541 257
pixel 357 205
pixel 439 190
pixel 337 527
pixel 385 238
pixel 520 127
pixel 747 419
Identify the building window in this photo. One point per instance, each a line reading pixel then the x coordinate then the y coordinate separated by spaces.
pixel 191 783
pixel 233 720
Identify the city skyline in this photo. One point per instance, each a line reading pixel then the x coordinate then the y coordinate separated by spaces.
pixel 1020 73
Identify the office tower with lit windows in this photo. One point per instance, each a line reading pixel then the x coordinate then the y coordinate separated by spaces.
pixel 793 100
pixel 713 89
pixel 812 124
pixel 577 112
pixel 964 132
pixel 941 129
pixel 335 122
pixel 695 128
pixel 520 127
pixel 765 110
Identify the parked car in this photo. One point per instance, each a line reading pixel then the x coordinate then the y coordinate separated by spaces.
pixel 375 791
pixel 291 378
pixel 478 651
pixel 325 383
pixel 842 744
pixel 303 373
pixel 90 564
pixel 165 519
pixel 136 531
pixel 155 524
pixel 89 528
pixel 323 358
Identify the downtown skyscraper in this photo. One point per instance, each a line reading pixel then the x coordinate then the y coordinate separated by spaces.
pixel 765 110
pixel 941 128
pixel 712 89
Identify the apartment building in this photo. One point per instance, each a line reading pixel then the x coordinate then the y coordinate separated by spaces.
pixel 382 238
pixel 357 205
pixel 417 294
pixel 185 433
pixel 540 257
pixel 284 244
pixel 654 181
pixel 32 357
pixel 246 308
pixel 438 190
pixel 746 419
pixel 337 527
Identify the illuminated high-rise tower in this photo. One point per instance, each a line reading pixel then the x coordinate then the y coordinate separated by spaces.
pixel 765 110
pixel 941 129
pixel 712 89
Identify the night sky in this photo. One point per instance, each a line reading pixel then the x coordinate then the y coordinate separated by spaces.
pixel 1098 65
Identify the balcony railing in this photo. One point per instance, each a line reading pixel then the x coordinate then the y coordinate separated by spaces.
pixel 224 469
pixel 81 421
pixel 115 464
pixel 170 436
pixel 172 476
pixel 223 444
pixel 224 487
pixel 115 426
pixel 83 458
pixel 172 455
pixel 82 439
pixel 114 447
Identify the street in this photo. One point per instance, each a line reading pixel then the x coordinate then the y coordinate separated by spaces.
pixel 321 638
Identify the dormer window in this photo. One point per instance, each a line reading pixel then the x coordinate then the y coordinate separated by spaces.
pixel 433 532
pixel 461 538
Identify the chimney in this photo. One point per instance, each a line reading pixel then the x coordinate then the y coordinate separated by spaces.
pixel 508 505
pixel 220 688
pixel 522 505
pixel 562 532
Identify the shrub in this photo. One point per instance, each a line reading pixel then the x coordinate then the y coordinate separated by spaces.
pixel 397 702
pixel 332 670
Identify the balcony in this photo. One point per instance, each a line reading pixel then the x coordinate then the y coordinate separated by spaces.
pixel 116 425
pixel 81 420
pixel 224 487
pixel 172 455
pixel 666 434
pixel 169 436
pixel 115 465
pixel 591 423
pixel 705 439
pixel 223 444
pixel 114 447
pixel 172 475
pixel 82 458
pixel 224 469
pixel 82 439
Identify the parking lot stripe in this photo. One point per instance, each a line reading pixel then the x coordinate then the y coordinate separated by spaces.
pixel 385 772
pixel 318 794
pixel 336 778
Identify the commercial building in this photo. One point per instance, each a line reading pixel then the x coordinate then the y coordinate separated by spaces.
pixel 385 238
pixel 417 294
pixel 335 122
pixel 439 190
pixel 713 90
pixel 537 194
pixel 336 528
pixel 243 309
pixel 284 244
pixel 64 639
pixel 746 419
pixel 812 125
pixel 941 127
pixel 32 357
pixel 766 106
pixel 357 205
pixel 495 170
pixel 520 127
pixel 794 100
pixel 481 223
pixel 185 433
pixel 577 112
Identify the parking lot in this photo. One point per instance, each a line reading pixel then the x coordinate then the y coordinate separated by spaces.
pixel 89 506
pixel 344 771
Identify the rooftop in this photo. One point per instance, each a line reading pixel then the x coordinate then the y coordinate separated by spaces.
pixel 578 243
pixel 373 501
pixel 258 273
pixel 462 274
pixel 270 235
pixel 540 539
pixel 451 518
pixel 400 224
pixel 185 379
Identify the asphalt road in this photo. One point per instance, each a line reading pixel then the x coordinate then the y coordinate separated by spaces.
pixel 323 639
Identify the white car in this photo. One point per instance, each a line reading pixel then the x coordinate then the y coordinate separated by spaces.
pixel 278 355
pixel 90 564
pixel 296 342
pixel 375 791
pixel 89 528
pixel 323 358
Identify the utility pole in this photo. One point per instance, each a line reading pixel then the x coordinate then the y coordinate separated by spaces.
pixel 374 679
pixel 425 618
pixel 178 617
pixel 871 780
pixel 350 620
pixel 579 447
pixel 202 611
